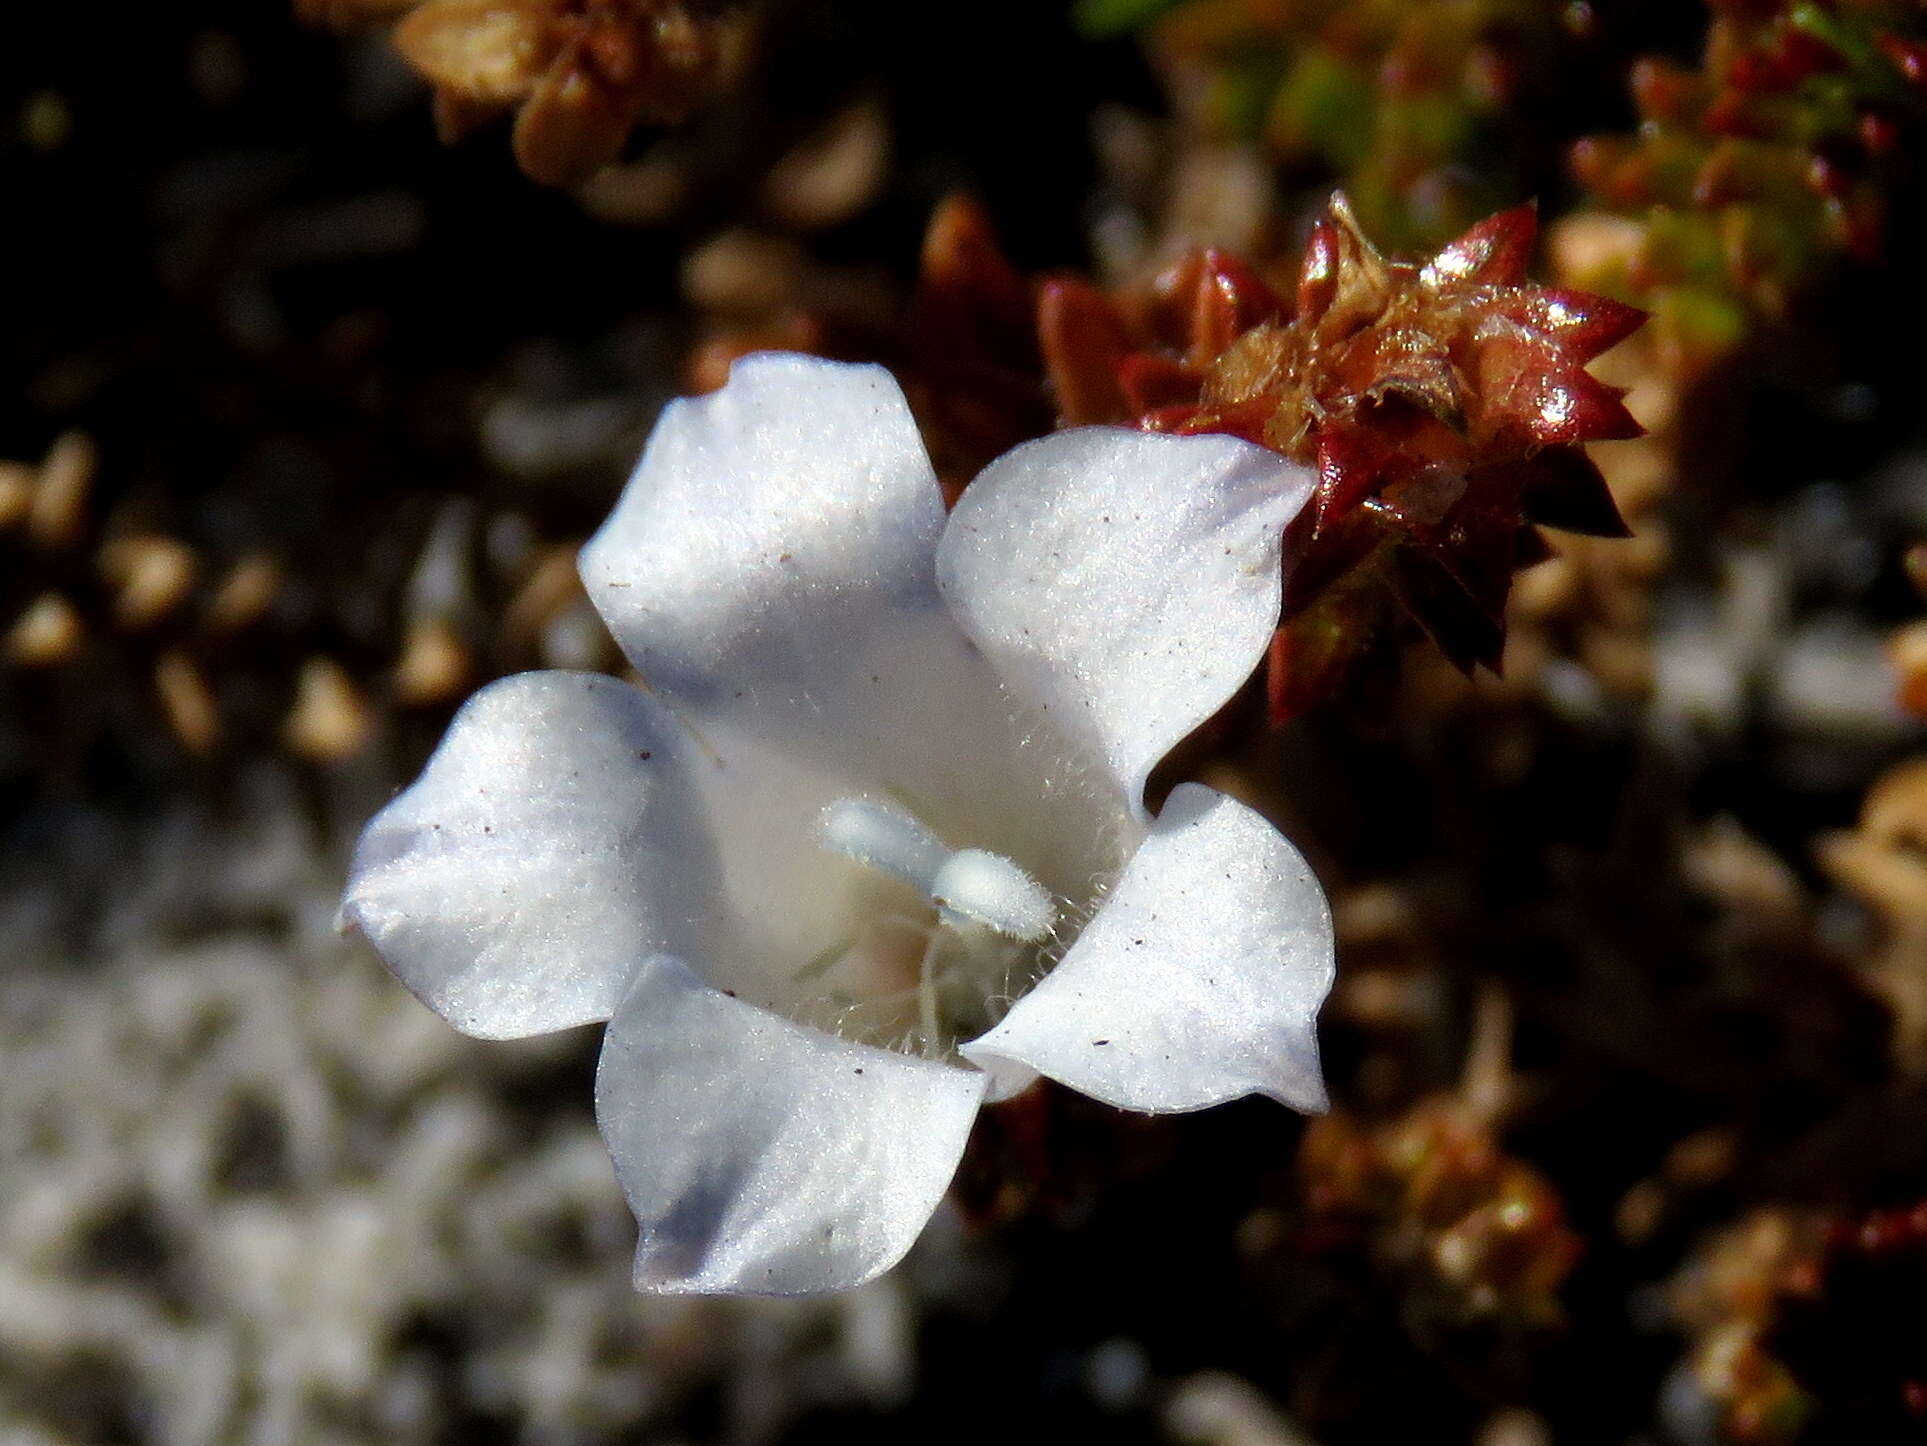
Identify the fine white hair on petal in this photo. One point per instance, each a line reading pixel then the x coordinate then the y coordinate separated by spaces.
pixel 1125 583
pixel 1199 979
pixel 552 842
pixel 763 1157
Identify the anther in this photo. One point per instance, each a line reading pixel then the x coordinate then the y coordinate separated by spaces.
pixel 883 838
pixel 978 887
pixel 970 887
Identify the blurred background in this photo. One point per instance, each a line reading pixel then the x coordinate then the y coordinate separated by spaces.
pixel 332 328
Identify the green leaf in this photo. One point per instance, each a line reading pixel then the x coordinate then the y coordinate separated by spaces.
pixel 1102 18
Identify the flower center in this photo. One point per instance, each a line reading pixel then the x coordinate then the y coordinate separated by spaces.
pixel 988 910
pixel 969 887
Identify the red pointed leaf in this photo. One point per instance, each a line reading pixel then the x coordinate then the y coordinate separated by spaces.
pixel 1801 53
pixel 1574 407
pixel 1480 553
pixel 1214 317
pixel 1304 666
pixel 964 267
pixel 1315 560
pixel 1493 253
pixel 974 337
pixel 1228 299
pixel 1249 295
pixel 1282 702
pixel 1318 277
pixel 1582 324
pixel 1349 464
pixel 1150 381
pixel 1161 312
pixel 1859 218
pixel 1563 489
pixel 1084 342
pixel 1464 629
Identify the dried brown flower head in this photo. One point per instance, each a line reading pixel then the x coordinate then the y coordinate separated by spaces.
pixel 1800 1326
pixel 1478 1234
pixel 580 75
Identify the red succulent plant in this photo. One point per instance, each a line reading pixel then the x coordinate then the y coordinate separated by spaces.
pixel 1444 404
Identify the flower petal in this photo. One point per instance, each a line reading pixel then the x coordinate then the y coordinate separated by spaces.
pixel 1198 981
pixel 550 846
pixel 1126 583
pixel 765 1158
pixel 777 536
pixel 771 571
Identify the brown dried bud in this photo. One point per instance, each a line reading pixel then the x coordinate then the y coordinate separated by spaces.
pixel 434 666
pixel 59 512
pixel 46 632
pixel 245 594
pixel 330 721
pixel 584 73
pixel 187 702
pixel 150 575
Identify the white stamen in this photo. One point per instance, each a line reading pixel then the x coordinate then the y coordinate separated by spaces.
pixel 927 988
pixel 978 887
pixel 969 887
pixel 883 838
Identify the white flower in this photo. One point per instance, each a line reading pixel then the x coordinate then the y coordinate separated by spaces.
pixel 886 778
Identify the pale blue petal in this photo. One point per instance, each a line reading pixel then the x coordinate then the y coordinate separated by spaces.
pixel 1199 980
pixel 552 844
pixel 1123 583
pixel 765 1158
